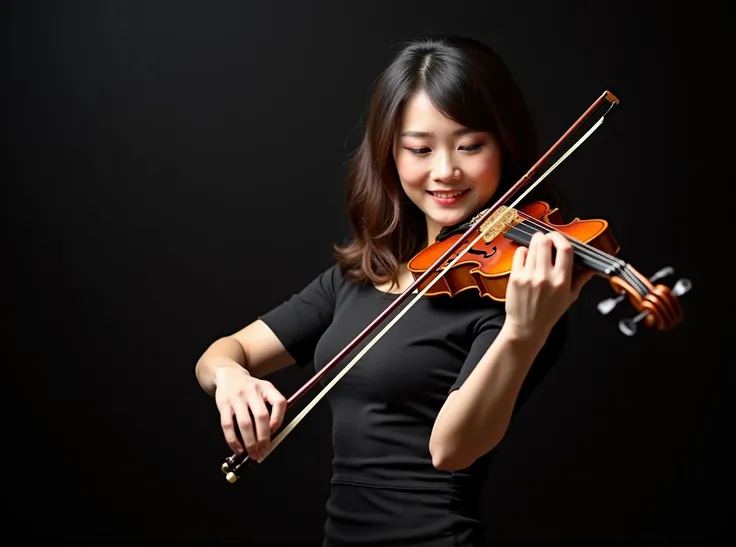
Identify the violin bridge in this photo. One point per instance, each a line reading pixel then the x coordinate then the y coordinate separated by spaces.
pixel 497 223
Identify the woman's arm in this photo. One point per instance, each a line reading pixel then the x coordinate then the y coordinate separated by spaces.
pixel 475 417
pixel 254 348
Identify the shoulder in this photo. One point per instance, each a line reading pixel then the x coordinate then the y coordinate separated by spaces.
pixel 328 285
pixel 331 278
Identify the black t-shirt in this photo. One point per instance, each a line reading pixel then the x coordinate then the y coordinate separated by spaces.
pixel 384 488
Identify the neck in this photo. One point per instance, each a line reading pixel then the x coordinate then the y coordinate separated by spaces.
pixel 433 230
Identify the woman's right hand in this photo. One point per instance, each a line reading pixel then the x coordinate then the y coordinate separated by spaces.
pixel 236 394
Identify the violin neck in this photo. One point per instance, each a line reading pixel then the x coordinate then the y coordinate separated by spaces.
pixel 585 255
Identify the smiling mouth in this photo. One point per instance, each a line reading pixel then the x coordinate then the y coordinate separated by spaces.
pixel 448 195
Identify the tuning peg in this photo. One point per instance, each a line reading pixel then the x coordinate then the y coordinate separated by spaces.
pixel 628 326
pixel 682 286
pixel 664 272
pixel 606 306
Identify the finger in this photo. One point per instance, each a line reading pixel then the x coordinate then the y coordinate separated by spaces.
pixel 519 261
pixel 564 255
pixel 543 259
pixel 278 406
pixel 245 425
pixel 261 416
pixel 531 257
pixel 228 428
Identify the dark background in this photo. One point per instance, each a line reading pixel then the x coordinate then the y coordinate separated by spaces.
pixel 176 168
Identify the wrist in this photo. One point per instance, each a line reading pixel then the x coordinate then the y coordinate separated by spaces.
pixel 522 340
pixel 224 367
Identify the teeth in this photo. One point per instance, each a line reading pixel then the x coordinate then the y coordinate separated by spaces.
pixel 447 194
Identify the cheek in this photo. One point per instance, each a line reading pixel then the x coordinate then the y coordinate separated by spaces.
pixel 411 174
pixel 485 171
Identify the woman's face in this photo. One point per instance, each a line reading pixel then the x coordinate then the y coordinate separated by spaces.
pixel 448 171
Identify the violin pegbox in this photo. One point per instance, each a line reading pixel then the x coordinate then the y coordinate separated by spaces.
pixel 658 305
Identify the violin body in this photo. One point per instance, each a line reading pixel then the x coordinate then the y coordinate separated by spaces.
pixel 486 265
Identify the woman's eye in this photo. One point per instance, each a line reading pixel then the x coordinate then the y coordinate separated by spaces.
pixel 471 147
pixel 425 150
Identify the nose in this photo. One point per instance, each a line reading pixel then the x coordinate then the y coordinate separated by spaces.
pixel 444 169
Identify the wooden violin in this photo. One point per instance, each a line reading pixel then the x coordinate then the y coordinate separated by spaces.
pixel 480 259
pixel 485 265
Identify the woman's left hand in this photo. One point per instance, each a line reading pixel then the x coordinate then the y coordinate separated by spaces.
pixel 541 288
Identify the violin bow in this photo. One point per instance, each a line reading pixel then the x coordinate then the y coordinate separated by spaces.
pixel 234 463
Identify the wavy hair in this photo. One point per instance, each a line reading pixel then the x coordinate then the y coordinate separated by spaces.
pixel 471 85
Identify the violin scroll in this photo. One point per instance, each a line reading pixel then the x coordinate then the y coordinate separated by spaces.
pixel 658 305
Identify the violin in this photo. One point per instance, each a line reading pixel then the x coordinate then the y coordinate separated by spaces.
pixel 480 259
pixel 485 265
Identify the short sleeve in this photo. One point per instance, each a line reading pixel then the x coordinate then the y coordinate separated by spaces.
pixel 545 360
pixel 484 334
pixel 300 321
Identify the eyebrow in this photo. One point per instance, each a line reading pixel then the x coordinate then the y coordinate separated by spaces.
pixel 461 131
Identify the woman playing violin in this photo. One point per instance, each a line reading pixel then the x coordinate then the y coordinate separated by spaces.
pixel 416 421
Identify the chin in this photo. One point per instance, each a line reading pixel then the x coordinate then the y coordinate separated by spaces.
pixel 448 219
pixel 449 216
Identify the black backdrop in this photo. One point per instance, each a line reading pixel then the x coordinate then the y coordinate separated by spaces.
pixel 176 168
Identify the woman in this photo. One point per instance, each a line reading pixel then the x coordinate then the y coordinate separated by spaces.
pixel 417 419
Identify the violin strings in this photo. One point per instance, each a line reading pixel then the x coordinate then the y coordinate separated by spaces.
pixel 589 252
pixel 614 261
pixel 290 427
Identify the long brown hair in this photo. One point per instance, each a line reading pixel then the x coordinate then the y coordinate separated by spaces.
pixel 470 84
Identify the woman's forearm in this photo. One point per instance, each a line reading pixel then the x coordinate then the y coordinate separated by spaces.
pixel 475 417
pixel 223 352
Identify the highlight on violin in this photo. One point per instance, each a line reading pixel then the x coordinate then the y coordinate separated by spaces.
pixel 446 308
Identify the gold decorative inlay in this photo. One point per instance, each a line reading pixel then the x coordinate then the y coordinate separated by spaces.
pixel 500 220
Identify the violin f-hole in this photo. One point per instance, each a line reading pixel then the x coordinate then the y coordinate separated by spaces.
pixel 483 253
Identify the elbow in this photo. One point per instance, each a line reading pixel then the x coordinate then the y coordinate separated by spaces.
pixel 438 451
pixel 448 457
pixel 445 463
pixel 445 460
